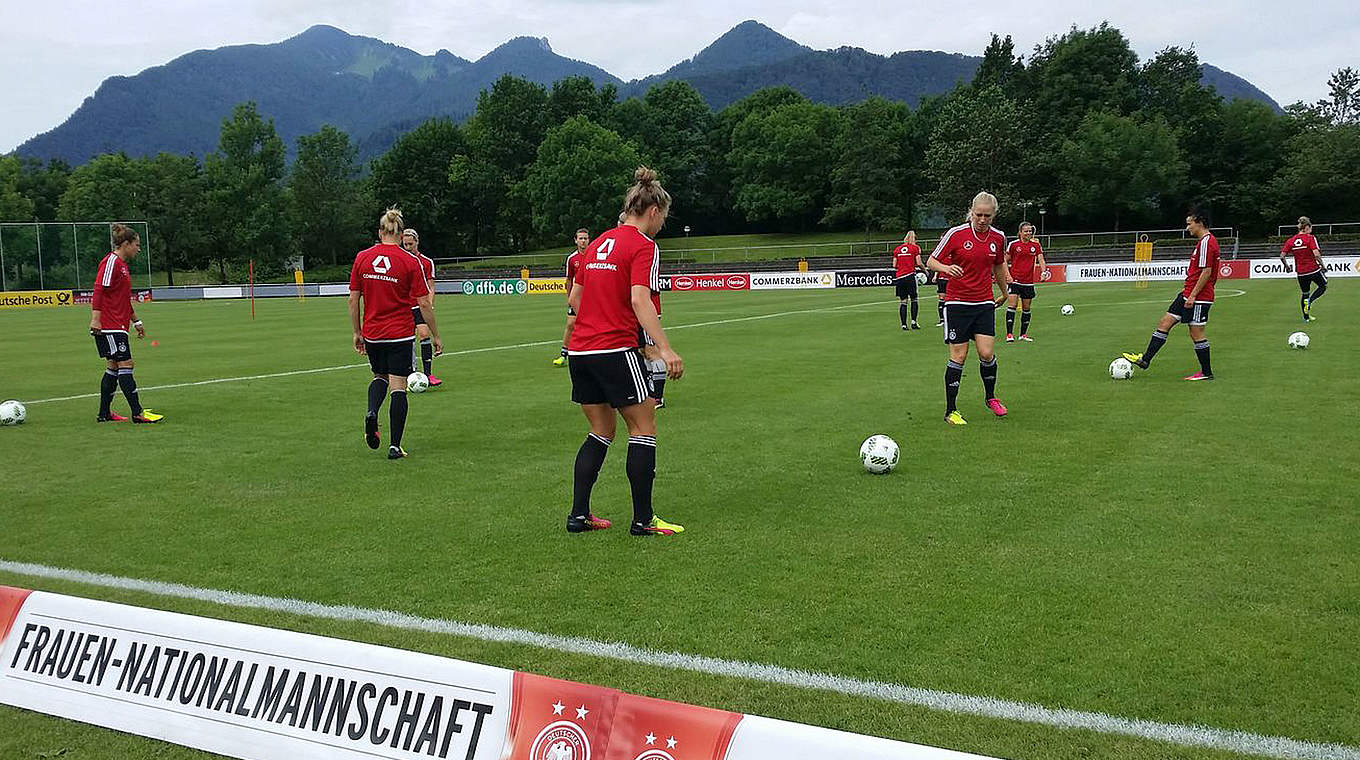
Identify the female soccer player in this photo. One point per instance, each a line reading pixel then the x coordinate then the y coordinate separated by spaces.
pixel 973 256
pixel 1308 266
pixel 573 261
pixel 384 281
pixel 612 297
pixel 111 311
pixel 410 240
pixel 1192 304
pixel 906 263
pixel 1021 258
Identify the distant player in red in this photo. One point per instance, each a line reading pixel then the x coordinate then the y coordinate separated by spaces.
pixel 1025 261
pixel 1308 266
pixel 612 297
pixel 906 263
pixel 410 240
pixel 111 314
pixel 973 256
pixel 383 283
pixel 573 261
pixel 1191 305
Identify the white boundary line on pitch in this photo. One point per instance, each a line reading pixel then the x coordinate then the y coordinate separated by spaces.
pixel 945 701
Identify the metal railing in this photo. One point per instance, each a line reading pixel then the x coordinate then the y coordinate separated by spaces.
pixel 25 247
pixel 1345 228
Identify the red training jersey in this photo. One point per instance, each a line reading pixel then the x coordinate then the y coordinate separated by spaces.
pixel 977 255
pixel 904 258
pixel 1204 257
pixel 113 294
pixel 390 279
pixel 573 261
pixel 1024 260
pixel 426 270
pixel 610 267
pixel 1304 247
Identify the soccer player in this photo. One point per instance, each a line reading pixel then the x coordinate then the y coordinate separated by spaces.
pixel 111 312
pixel 1021 258
pixel 906 263
pixel 973 256
pixel 410 240
pixel 656 366
pixel 573 261
pixel 612 296
pixel 383 282
pixel 1308 266
pixel 1191 305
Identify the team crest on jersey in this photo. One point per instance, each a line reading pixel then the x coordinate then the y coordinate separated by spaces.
pixel 993 247
pixel 562 740
pixel 953 334
pixel 967 245
pixel 381 264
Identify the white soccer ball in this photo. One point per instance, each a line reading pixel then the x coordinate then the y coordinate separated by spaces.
pixel 417 382
pixel 1121 369
pixel 922 278
pixel 13 413
pixel 878 454
pixel 1068 310
pixel 1298 340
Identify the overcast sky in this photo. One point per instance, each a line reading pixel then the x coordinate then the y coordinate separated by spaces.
pixel 54 53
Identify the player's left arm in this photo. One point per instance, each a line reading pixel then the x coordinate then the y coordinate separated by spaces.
pixel 137 323
pixel 1043 265
pixel 1317 254
pixel 1203 280
pixel 1001 274
pixel 574 297
pixel 354 321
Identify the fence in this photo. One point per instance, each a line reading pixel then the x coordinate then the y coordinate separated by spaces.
pixel 60 255
pixel 1335 228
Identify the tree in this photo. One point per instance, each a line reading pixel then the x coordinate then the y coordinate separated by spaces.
pixel 325 193
pixel 502 140
pixel 44 185
pixel 1000 67
pixel 414 176
pixel 579 178
pixel 1115 164
pixel 1321 173
pixel 1343 104
pixel 577 96
pixel 675 134
pixel 245 194
pixel 781 161
pixel 14 205
pixel 977 144
pixel 174 205
pixel 107 187
pixel 1081 71
pixel 869 178
pixel 1252 148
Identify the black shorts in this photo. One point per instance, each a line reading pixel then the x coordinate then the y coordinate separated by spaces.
pixel 1021 289
pixel 113 346
pixel 940 285
pixel 906 286
pixel 395 358
pixel 415 313
pixel 1199 317
pixel 964 321
pixel 1318 278
pixel 617 378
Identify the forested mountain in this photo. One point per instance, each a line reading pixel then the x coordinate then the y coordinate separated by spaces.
pixel 374 90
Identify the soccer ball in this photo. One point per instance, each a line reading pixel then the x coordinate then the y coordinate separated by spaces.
pixel 922 278
pixel 417 382
pixel 1298 340
pixel 13 413
pixel 1068 310
pixel 1121 369
pixel 878 454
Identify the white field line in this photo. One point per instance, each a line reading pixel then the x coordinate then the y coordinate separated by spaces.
pixel 965 704
pixel 533 344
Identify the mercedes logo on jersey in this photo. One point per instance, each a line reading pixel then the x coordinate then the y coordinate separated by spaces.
pixel 967 245
pixel 381 264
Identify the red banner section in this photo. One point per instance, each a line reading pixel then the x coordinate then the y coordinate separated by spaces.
pixel 1236 269
pixel 730 281
pixel 559 720
pixel 654 729
pixel 1054 273
pixel 11 599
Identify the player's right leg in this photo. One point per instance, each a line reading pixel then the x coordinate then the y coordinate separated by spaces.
pixel 399 367
pixel 1174 314
pixel 427 353
pixel 1011 298
pixel 108 383
pixel 561 361
pixel 641 466
pixel 1320 278
pixel 377 391
pixel 953 375
pixel 589 390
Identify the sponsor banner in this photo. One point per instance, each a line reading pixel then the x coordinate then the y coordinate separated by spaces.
pixel 1337 266
pixel 792 280
pixel 1129 271
pixel 731 281
pixel 32 299
pixel 333 290
pixel 495 287
pixel 759 738
pixel 866 278
pixel 234 291
pixel 548 285
pixel 87 296
pixel 247 691
pixel 1054 273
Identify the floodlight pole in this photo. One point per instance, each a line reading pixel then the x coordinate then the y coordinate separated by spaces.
pixel 37 231
pixel 3 286
pixel 75 245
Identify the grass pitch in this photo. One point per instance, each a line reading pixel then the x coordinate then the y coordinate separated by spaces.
pixel 1179 552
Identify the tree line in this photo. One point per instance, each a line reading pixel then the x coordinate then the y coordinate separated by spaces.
pixel 1080 128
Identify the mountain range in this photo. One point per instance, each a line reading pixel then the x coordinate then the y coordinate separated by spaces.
pixel 375 90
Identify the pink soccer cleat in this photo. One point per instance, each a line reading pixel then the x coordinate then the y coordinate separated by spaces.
pixel 998 408
pixel 1199 376
pixel 435 382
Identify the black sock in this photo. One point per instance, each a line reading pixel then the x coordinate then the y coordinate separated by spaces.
pixel 1024 322
pixel 1202 353
pixel 902 313
pixel 129 387
pixel 377 391
pixel 1010 321
pixel 915 308
pixel 659 389
pixel 953 375
pixel 589 460
pixel 396 416
pixel 107 385
pixel 426 354
pixel 641 473
pixel 988 371
pixel 939 308
pixel 1154 345
pixel 1318 293
pixel 1303 303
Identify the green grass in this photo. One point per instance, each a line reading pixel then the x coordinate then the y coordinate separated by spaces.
pixel 1178 552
